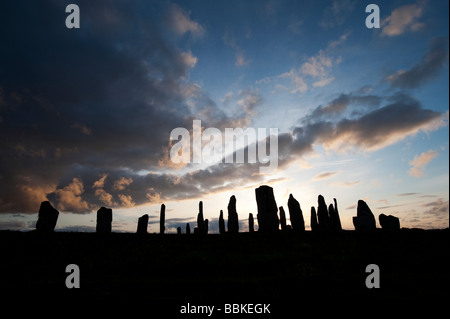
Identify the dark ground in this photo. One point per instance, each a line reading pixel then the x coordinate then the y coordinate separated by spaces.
pixel 285 269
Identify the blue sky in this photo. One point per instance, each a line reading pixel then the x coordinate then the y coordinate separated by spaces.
pixel 86 114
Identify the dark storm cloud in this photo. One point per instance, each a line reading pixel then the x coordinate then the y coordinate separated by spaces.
pixel 341 103
pixel 99 99
pixel 427 68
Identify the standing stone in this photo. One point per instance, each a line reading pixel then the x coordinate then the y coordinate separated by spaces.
pixel 142 224
pixel 295 214
pixel 389 222
pixel 314 224
pixel 221 223
pixel 162 219
pixel 335 219
pixel 233 223
pixel 322 215
pixel 267 209
pixel 283 219
pixel 251 223
pixel 364 219
pixel 205 227
pixel 47 217
pixel 104 219
pixel 188 229
pixel 201 227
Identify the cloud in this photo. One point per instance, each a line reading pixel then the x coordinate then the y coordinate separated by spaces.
pixel 419 162
pixel 317 65
pixel 323 82
pixel 427 68
pixel 180 22
pixel 125 89
pixel 229 40
pixel 69 198
pixel 122 183
pixel 343 101
pixel 337 13
pixel 298 83
pixel 324 175
pixel 440 207
pixel 403 19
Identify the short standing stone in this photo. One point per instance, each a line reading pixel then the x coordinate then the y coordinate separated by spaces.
pixel 221 223
pixel 142 224
pixel 283 219
pixel 104 219
pixel 251 223
pixel 47 217
pixel 364 219
pixel 389 222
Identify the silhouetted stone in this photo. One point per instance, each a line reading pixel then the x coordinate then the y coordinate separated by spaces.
pixel 295 214
pixel 283 219
pixel 233 222
pixel 205 227
pixel 162 219
pixel 179 230
pixel 221 223
pixel 322 215
pixel 335 219
pixel 104 219
pixel 47 217
pixel 364 219
pixel 314 225
pixel 142 224
pixel 267 209
pixel 251 223
pixel 188 229
pixel 389 222
pixel 202 228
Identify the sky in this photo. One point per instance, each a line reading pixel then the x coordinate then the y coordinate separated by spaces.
pixel 86 113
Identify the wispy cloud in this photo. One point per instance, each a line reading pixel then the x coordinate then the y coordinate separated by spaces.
pixel 180 22
pixel 403 19
pixel 419 162
pixel 324 175
pixel 428 67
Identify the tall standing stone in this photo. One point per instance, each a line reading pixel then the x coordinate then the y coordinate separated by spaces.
pixel 335 219
pixel 233 222
pixel 104 219
pixel 47 217
pixel 283 219
pixel 295 214
pixel 221 223
pixel 267 209
pixel 322 215
pixel 188 229
pixel 142 224
pixel 335 223
pixel 314 224
pixel 364 219
pixel 162 219
pixel 251 223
